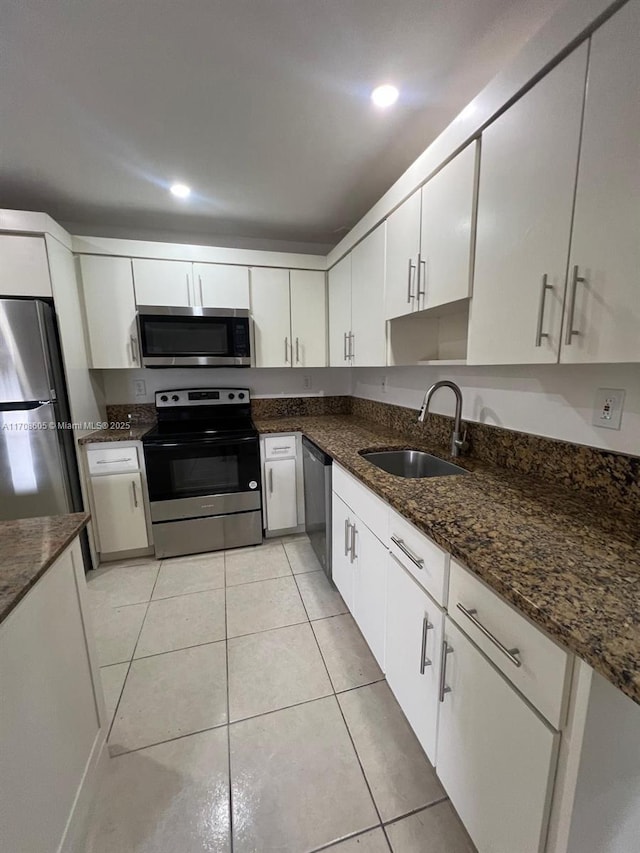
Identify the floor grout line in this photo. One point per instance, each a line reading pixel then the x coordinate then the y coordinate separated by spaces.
pixel 417 810
pixel 169 740
pixel 230 780
pixel 349 837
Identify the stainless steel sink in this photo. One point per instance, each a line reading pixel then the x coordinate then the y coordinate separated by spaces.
pixel 412 463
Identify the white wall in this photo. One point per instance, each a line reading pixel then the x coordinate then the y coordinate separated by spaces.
pixel 549 400
pixel 263 382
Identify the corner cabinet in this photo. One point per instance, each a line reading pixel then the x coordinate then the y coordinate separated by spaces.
pixel 24 267
pixel 110 311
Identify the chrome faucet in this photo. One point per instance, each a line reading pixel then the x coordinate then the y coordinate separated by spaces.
pixel 458 439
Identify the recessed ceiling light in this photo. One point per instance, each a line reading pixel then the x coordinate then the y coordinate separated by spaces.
pixel 180 190
pixel 384 96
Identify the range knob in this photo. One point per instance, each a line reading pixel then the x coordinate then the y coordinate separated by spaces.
pixel 232 396
pixel 175 398
pixel 241 395
pixel 164 398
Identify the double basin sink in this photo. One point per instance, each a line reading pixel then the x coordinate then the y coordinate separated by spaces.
pixel 412 463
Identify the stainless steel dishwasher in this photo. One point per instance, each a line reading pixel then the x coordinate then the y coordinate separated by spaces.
pixel 317 501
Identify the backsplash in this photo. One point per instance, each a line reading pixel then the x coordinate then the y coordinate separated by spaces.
pixel 137 413
pixel 611 478
pixel 285 407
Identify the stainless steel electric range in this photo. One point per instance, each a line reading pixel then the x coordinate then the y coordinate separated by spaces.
pixel 203 471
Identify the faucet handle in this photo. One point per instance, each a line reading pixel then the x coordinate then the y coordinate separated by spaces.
pixel 461 442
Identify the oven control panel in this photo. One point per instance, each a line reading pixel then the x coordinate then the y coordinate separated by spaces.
pixel 202 397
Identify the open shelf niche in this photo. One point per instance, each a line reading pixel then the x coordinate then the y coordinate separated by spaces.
pixel 437 336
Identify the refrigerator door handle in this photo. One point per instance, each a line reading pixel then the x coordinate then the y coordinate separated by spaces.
pixel 30 406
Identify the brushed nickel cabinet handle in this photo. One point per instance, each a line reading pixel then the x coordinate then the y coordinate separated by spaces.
pixel 270 477
pixel 286 350
pixel 424 660
pixel 345 346
pixel 297 351
pixel 446 650
pixel 412 267
pixel 113 461
pixel 346 537
pixel 352 346
pixel 352 547
pixel 575 279
pixel 422 264
pixel 134 349
pixel 135 493
pixel 417 561
pixel 543 296
pixel 510 654
pixel 200 286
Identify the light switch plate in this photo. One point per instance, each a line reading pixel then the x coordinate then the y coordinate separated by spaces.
pixel 607 408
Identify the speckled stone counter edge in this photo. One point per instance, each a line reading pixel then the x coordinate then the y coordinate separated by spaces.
pixel 28 547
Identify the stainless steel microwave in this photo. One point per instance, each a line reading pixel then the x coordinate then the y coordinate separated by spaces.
pixel 195 337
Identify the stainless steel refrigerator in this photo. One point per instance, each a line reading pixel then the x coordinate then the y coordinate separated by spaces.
pixel 38 467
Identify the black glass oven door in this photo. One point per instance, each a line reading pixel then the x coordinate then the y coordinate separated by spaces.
pixel 193 469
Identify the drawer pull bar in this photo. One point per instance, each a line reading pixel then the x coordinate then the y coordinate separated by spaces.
pixel 418 561
pixel 508 653
pixel 278 449
pixel 352 546
pixel 424 660
pixel 135 493
pixel 346 537
pixel 113 461
pixel 446 650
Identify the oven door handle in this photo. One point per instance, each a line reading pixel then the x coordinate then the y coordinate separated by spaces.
pixel 199 442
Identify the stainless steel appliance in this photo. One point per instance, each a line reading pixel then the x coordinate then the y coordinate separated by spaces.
pixel 203 471
pixel 38 467
pixel 317 501
pixel 195 337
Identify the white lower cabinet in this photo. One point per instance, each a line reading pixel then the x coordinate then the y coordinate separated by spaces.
pixel 496 757
pixel 281 494
pixel 369 588
pixel 414 627
pixel 341 556
pixel 118 502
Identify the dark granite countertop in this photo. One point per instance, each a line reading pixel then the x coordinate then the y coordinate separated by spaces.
pixel 570 565
pixel 135 433
pixel 28 546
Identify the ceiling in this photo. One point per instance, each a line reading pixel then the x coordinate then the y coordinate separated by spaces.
pixel 262 106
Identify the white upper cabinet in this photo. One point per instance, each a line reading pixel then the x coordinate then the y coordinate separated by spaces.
pixel 368 338
pixel 163 282
pixel 24 270
pixel 401 264
pixel 447 231
pixel 308 318
pixel 272 317
pixel 221 286
pixel 603 299
pixel 340 313
pixel 527 179
pixel 110 309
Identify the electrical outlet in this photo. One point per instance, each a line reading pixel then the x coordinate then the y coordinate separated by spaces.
pixel 607 408
pixel 306 381
pixel 140 388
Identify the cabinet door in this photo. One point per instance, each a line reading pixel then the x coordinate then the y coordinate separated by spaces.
pixel 308 318
pixel 525 201
pixel 272 316
pixel 446 232
pixel 24 270
pixel 403 246
pixel 281 494
pixel 367 297
pixel 369 595
pixel 221 285
pixel 342 567
pixel 119 512
pixel 412 657
pixel 163 282
pixel 340 312
pixel 110 311
pixel 496 757
pixel 605 245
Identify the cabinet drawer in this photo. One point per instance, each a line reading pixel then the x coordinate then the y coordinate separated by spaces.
pixel 279 446
pixel 113 460
pixel 427 562
pixel 372 511
pixel 545 668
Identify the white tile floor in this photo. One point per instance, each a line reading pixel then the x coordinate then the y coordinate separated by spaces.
pixel 250 716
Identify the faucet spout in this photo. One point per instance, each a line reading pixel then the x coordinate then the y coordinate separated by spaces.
pixel 458 438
